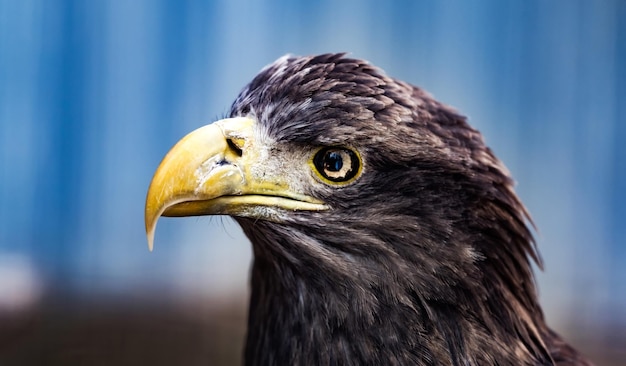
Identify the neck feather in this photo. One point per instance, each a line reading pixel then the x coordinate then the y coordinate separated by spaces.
pixel 302 313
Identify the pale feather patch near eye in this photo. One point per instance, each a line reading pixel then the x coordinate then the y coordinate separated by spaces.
pixel 278 160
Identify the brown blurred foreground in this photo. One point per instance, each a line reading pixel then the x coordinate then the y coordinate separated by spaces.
pixel 142 332
pixel 66 331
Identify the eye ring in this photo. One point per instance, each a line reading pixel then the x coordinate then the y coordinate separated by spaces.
pixel 337 165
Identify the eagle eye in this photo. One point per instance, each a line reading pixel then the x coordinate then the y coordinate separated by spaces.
pixel 337 164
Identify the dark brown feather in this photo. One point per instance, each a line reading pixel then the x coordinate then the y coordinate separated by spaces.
pixel 424 260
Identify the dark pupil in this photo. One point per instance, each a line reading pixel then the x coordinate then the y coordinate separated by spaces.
pixel 333 162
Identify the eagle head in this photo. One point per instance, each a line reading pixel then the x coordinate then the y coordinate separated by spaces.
pixel 384 230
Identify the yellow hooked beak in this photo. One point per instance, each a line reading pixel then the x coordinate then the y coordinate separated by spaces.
pixel 209 172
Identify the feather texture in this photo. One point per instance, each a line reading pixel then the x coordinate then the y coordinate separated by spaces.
pixel 423 260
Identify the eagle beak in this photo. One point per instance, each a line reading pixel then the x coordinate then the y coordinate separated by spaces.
pixel 208 172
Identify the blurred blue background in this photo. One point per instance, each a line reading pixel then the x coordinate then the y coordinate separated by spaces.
pixel 94 93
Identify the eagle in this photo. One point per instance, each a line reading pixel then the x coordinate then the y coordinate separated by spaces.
pixel 384 230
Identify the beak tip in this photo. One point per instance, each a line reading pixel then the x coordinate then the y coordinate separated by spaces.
pixel 150 236
pixel 151 218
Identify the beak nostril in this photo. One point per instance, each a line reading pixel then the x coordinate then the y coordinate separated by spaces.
pixel 234 147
